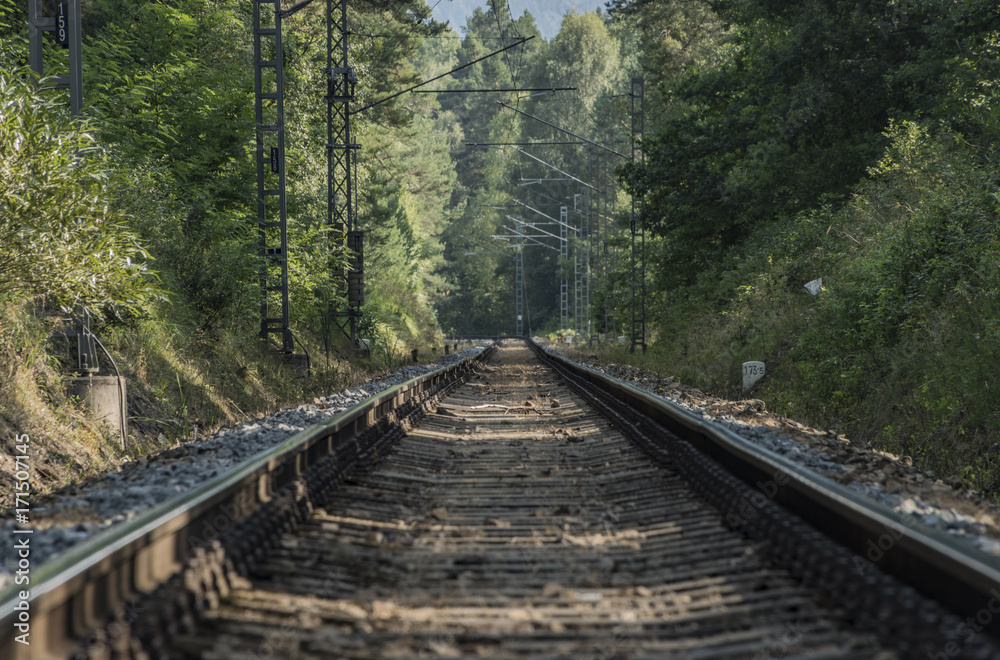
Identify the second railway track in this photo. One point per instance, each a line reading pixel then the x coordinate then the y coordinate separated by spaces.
pixel 530 513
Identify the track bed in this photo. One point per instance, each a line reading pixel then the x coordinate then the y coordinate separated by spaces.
pixel 515 522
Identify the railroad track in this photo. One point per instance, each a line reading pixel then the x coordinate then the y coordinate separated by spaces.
pixel 520 516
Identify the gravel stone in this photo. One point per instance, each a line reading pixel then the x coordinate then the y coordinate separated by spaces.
pixel 116 497
pixel 877 476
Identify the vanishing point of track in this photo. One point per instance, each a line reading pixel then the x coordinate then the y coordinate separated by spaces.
pixel 515 522
pixel 518 520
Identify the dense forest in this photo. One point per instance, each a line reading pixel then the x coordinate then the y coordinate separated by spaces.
pixel 547 15
pixel 748 146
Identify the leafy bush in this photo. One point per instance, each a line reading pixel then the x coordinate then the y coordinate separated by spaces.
pixel 60 239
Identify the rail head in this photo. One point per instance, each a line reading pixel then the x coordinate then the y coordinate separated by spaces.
pixel 935 563
pixel 59 602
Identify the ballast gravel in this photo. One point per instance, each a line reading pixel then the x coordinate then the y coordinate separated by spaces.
pixel 77 513
pixel 74 514
pixel 878 476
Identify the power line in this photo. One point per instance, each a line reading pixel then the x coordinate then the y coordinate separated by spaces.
pixel 536 158
pixel 563 130
pixel 548 197
pixel 502 89
pixel 519 144
pixel 392 96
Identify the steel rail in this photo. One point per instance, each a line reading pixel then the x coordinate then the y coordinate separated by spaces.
pixel 957 575
pixel 179 552
pixel 71 597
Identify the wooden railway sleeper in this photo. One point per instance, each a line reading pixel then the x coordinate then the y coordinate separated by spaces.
pixel 212 571
pixel 873 601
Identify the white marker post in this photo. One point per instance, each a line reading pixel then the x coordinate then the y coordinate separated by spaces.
pixel 752 372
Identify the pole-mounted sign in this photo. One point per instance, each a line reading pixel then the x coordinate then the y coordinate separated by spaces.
pixel 65 26
pixel 62 23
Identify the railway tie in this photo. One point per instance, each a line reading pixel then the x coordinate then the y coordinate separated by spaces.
pixel 515 522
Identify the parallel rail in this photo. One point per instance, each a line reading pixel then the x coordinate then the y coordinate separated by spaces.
pixel 194 546
pixel 192 551
pixel 937 565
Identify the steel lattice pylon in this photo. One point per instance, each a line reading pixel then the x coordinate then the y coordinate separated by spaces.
pixel 604 230
pixel 581 261
pixel 578 272
pixel 342 162
pixel 271 200
pixel 592 236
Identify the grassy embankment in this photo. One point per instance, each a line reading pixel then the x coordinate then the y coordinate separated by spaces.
pixel 182 383
pixel 899 351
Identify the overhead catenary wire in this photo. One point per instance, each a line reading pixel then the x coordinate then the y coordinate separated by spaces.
pixel 519 144
pixel 580 181
pixel 502 89
pixel 533 227
pixel 401 38
pixel 550 198
pixel 563 130
pixel 544 215
pixel 410 89
pixel 489 249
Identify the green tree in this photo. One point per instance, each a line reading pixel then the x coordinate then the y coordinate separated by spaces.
pixel 61 241
pixel 795 112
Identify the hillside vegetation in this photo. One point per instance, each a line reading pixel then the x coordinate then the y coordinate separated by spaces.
pixel 854 142
pixel 783 142
pixel 143 210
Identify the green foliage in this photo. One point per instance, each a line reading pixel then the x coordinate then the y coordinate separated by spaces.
pixel 61 241
pixel 496 185
pixel 897 348
pixel 13 43
pixel 170 87
pixel 918 294
pixel 797 110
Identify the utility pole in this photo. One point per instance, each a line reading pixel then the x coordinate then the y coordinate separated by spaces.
pixel 580 269
pixel 638 229
pixel 272 209
pixel 603 230
pixel 519 285
pixel 342 166
pixel 65 25
pixel 592 235
pixel 614 252
pixel 564 253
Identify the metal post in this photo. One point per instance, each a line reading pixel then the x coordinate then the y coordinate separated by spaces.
pixel 578 266
pixel 342 163
pixel 590 220
pixel 66 26
pixel 614 252
pixel 564 253
pixel 638 233
pixel 519 286
pixel 272 210
pixel 602 234
pixel 75 56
